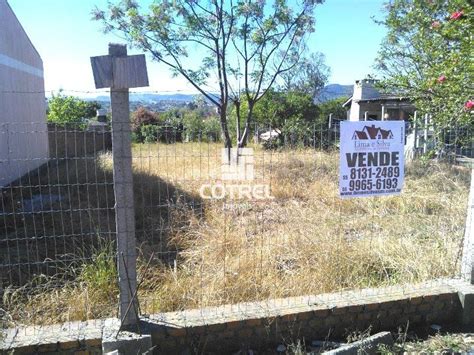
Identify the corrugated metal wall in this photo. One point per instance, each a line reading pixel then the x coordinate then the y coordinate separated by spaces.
pixel 23 129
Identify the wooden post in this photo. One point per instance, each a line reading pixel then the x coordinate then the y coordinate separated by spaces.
pixel 383 113
pixel 120 72
pixel 366 115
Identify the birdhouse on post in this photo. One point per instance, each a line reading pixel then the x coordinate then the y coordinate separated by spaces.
pixel 120 72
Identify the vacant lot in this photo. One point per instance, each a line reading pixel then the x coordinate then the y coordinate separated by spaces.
pixel 305 240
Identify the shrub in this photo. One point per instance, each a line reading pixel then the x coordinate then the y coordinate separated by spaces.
pixel 212 129
pixel 63 109
pixel 194 125
pixel 272 143
pixel 142 117
pixel 150 133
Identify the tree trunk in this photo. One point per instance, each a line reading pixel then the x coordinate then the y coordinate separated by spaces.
pixel 225 128
pixel 242 142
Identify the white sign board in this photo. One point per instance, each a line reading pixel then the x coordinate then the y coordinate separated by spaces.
pixel 371 158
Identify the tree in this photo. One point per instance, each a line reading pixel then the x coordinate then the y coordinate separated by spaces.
pixel 145 125
pixel 427 56
pixel 332 106
pixel 142 117
pixel 244 47
pixel 291 113
pixel 91 108
pixel 63 109
pixel 309 76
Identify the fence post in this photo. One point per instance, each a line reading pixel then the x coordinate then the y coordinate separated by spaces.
pixel 123 190
pixel 121 72
pixel 467 263
pixel 415 132
pixel 425 135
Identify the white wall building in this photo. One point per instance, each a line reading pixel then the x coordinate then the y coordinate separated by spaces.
pixel 23 128
pixel 367 103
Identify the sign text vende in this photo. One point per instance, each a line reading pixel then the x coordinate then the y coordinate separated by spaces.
pixel 371 158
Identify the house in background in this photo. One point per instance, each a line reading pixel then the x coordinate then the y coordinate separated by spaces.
pixel 367 103
pixel 23 128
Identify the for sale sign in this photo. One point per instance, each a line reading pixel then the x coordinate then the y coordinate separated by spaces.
pixel 371 158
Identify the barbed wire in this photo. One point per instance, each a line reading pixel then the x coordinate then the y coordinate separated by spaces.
pixel 106 91
pixel 141 92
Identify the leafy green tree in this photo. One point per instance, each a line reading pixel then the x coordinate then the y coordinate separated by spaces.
pixel 63 109
pixel 333 107
pixel 91 108
pixel 242 47
pixel 427 56
pixel 211 130
pixel 293 114
pixel 193 125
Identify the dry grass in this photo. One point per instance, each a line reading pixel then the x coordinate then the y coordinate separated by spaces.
pixel 304 241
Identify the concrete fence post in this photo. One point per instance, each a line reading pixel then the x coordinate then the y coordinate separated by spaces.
pixel 467 264
pixel 121 72
pixel 123 190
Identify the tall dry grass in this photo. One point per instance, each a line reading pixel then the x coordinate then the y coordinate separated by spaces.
pixel 304 241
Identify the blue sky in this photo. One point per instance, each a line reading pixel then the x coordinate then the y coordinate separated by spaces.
pixel 64 35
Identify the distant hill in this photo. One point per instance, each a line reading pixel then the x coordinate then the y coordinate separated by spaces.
pixel 147 97
pixel 333 91
pixel 161 97
pixel 330 92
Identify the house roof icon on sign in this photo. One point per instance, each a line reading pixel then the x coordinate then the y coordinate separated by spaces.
pixel 372 132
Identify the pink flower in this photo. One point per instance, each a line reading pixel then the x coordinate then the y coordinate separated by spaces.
pixel 435 24
pixel 442 78
pixel 469 105
pixel 456 15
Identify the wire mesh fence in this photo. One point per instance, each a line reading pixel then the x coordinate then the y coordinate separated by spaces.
pixel 210 230
pixel 285 232
pixel 57 217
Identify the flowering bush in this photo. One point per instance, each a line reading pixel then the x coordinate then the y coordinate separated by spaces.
pixel 441 79
pixel 429 43
pixel 456 15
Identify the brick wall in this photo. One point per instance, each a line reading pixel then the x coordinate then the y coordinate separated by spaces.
pixel 263 325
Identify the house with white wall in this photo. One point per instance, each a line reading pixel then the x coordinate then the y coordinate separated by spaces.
pixel 368 103
pixel 23 128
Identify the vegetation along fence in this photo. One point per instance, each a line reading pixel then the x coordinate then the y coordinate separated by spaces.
pixel 213 228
